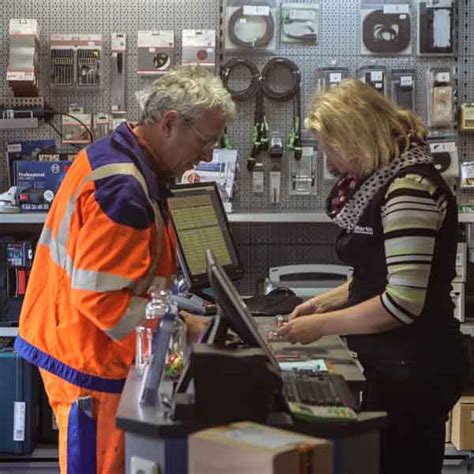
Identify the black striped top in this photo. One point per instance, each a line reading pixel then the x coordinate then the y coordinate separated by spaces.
pixel 414 211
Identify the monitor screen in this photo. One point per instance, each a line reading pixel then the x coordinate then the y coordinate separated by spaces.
pixel 200 223
pixel 233 308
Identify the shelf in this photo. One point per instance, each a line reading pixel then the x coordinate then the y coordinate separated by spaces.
pixel 279 217
pixel 238 217
pixel 450 450
pixel 23 218
pixel 8 332
pixel 261 217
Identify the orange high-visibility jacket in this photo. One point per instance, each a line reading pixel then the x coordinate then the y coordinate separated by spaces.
pixel 106 239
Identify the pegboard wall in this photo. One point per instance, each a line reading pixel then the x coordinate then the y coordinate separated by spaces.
pixel 338 44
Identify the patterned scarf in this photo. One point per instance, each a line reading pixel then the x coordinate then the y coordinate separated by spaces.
pixel 351 195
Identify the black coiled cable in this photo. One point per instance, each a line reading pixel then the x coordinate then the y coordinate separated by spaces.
pixel 260 42
pixel 259 87
pixel 295 74
pixel 254 86
pixel 292 93
pixel 253 90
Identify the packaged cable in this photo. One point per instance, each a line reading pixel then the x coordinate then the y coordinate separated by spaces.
pixel 299 23
pixel 385 28
pixel 250 26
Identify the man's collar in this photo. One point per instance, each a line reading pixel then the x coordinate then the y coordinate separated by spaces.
pixel 141 154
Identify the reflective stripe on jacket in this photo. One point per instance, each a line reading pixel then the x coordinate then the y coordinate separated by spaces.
pixel 104 243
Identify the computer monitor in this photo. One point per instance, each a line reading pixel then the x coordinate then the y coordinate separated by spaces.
pixel 233 308
pixel 200 223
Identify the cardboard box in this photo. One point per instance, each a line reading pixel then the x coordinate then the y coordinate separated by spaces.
pixel 250 448
pixel 462 423
pixel 38 182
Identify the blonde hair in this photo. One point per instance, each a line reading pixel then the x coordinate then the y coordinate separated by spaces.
pixel 362 126
pixel 190 91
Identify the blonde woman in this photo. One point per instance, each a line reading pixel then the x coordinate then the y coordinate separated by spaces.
pixel 399 223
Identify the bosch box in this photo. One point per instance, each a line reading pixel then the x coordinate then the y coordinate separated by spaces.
pixel 19 404
pixel 38 182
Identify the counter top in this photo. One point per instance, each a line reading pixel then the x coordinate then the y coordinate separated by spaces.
pixel 155 422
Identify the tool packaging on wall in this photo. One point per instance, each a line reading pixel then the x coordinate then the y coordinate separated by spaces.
pixel 273 55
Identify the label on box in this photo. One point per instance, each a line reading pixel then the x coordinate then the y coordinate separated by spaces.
pixel 263 437
pixel 376 76
pixel 302 15
pixel 395 8
pixel 23 27
pixel 467 174
pixel 119 43
pixel 255 10
pixel 19 411
pixel 155 39
pixel 20 75
pixel 443 77
pixel 14 148
pixel 440 147
pixel 406 81
pixel 335 77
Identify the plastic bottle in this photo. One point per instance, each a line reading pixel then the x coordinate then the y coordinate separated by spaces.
pixel 146 330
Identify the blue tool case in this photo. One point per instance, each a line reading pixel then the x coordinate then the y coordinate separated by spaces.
pixel 19 403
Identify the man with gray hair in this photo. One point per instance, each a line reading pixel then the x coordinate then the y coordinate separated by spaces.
pixel 105 242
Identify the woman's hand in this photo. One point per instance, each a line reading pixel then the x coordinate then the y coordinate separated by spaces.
pixel 304 329
pixel 319 304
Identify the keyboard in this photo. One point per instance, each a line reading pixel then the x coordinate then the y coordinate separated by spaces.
pixel 317 388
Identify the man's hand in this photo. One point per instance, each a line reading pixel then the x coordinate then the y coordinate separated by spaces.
pixel 195 325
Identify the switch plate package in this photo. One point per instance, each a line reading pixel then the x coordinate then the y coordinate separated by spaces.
pixel 156 52
pixel 73 130
pixel 23 67
pixel 436 28
pixel 445 156
pixel 199 48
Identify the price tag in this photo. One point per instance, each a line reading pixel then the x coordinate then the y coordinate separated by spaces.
pixel 376 76
pixel 443 77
